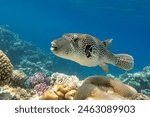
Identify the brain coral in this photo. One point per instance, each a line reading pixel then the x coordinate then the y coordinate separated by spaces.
pixel 6 69
pixel 105 88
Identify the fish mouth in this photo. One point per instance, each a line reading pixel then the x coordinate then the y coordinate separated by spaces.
pixel 53 48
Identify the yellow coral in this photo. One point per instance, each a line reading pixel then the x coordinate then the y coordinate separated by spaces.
pixel 58 92
pixel 6 69
pixel 70 95
pixel 49 95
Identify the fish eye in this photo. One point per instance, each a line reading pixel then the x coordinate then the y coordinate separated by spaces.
pixel 76 39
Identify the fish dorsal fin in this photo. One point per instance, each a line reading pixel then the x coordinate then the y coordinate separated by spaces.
pixel 104 67
pixel 107 42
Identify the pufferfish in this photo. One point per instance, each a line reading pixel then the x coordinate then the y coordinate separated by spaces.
pixel 89 51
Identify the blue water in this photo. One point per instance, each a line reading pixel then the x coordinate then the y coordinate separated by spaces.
pixel 41 21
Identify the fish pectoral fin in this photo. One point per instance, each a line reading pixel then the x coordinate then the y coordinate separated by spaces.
pixel 104 67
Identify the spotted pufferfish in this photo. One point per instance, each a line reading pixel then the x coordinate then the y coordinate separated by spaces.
pixel 89 51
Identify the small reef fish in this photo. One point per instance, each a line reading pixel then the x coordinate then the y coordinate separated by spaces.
pixel 89 51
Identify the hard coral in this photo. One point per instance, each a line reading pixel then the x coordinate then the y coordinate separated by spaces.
pixel 37 78
pixel 63 87
pixel 49 95
pixel 70 95
pixel 18 92
pixel 40 88
pixel 72 82
pixel 104 88
pixel 58 92
pixel 139 80
pixel 18 78
pixel 6 69
pixel 24 55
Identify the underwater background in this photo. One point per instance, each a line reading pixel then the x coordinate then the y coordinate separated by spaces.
pixel 40 22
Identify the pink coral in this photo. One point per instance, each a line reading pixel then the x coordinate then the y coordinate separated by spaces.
pixel 37 78
pixel 40 88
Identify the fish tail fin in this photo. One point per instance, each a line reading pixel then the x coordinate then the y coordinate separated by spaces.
pixel 124 61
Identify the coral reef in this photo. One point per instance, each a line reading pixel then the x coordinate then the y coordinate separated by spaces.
pixel 6 96
pixel 71 81
pixel 29 76
pixel 40 88
pixel 63 87
pixel 58 92
pixel 18 78
pixel 104 88
pixel 139 80
pixel 6 69
pixel 36 79
pixel 24 55
pixel 16 93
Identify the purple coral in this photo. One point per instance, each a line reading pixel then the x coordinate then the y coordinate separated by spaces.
pixel 37 78
pixel 40 88
pixel 48 80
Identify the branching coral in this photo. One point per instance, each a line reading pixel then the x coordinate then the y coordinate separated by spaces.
pixel 6 69
pixel 104 88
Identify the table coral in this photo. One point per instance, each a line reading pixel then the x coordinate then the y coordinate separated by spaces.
pixel 6 69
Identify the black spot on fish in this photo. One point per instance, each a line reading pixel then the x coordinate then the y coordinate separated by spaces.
pixel 88 50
